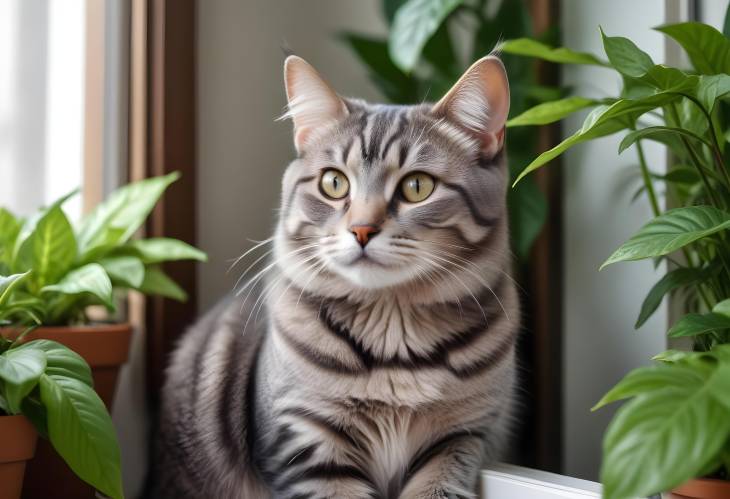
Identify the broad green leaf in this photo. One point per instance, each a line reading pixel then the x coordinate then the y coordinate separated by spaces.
pixel 82 432
pixel 669 78
pixel 706 47
pixel 636 88
pixel 625 56
pixel 9 229
pixel 163 249
pixel 671 356
pixel 726 25
pixel 550 112
pixel 671 231
pixel 721 352
pixel 123 213
pixel 414 23
pixel 106 245
pixel 662 438
pixel 49 250
pixel 722 308
pixel 9 283
pixel 33 409
pixel 603 120
pixel 156 282
pixel 127 271
pixel 533 48
pixel 649 379
pixel 663 133
pixel 91 278
pixel 719 385
pixel 691 118
pixel 61 360
pixel 711 88
pixel 20 371
pixel 392 82
pixel 681 175
pixel 697 324
pixel 30 224
pixel 672 280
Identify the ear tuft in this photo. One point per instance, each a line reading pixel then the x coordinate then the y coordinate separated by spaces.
pixel 479 103
pixel 311 101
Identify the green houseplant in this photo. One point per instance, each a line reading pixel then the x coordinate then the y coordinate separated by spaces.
pixel 52 386
pixel 676 425
pixel 431 43
pixel 51 275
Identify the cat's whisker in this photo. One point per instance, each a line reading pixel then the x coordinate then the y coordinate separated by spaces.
pixel 258 245
pixel 471 293
pixel 315 273
pixel 487 265
pixel 270 286
pixel 301 271
pixel 265 295
pixel 455 294
pixel 475 266
pixel 481 279
pixel 255 262
pixel 271 266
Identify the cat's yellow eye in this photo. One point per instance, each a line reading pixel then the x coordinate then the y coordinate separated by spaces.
pixel 334 184
pixel 417 186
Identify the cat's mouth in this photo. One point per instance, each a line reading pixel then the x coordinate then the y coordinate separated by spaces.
pixel 365 259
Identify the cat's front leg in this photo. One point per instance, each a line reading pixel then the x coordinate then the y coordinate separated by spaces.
pixel 447 469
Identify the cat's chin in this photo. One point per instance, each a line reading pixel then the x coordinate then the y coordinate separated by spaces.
pixel 368 274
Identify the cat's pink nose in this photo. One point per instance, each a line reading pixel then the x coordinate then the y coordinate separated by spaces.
pixel 363 233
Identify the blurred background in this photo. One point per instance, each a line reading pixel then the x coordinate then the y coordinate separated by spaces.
pixel 96 93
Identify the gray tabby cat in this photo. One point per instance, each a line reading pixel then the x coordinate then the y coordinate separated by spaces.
pixel 385 366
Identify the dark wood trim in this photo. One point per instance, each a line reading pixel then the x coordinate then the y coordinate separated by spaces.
pixel 171 146
pixel 545 281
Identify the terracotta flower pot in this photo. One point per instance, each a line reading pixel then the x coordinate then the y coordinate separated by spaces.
pixel 701 488
pixel 18 439
pixel 105 347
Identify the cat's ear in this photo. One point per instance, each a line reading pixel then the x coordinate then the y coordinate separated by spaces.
pixel 311 101
pixel 479 103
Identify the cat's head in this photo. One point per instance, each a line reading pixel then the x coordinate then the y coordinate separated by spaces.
pixel 384 196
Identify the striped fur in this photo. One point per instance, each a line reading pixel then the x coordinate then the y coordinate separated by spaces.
pixel 341 371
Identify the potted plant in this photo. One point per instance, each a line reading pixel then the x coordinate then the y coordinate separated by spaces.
pixel 57 274
pixel 674 432
pixel 45 383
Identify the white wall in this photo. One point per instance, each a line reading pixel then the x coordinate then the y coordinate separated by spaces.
pixel 242 152
pixel 600 343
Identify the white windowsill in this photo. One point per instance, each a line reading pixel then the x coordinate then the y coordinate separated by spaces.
pixel 505 481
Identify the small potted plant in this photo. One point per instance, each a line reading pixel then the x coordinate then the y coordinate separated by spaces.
pixel 674 432
pixel 56 274
pixel 45 385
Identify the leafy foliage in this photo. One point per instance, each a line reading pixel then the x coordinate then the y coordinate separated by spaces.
pixel 52 386
pixel 50 272
pixel 676 423
pixel 421 59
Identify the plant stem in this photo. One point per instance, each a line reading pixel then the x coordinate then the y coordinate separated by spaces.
pixel 715 149
pixel 693 156
pixel 700 289
pixel 647 180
